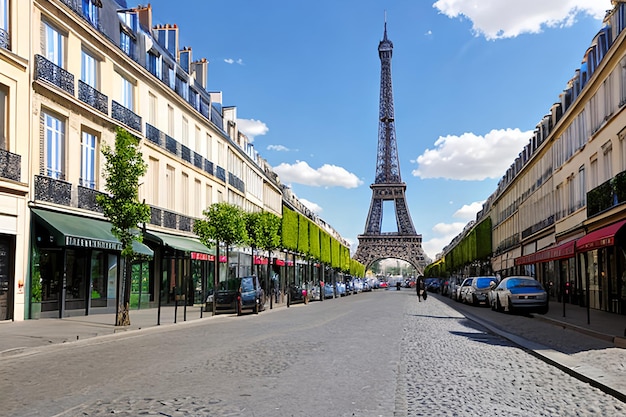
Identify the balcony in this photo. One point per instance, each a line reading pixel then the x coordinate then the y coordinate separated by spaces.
pixel 10 165
pixel 220 173
pixel 607 195
pixel 47 71
pixel 53 190
pixel 87 199
pixel 126 116
pixel 97 100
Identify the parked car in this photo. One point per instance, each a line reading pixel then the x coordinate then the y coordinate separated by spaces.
pixel 461 289
pixel 296 295
pixel 453 284
pixel 519 293
pixel 478 292
pixel 329 291
pixel 433 284
pixel 239 294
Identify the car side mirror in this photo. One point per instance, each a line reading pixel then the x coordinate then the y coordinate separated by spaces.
pixel 493 285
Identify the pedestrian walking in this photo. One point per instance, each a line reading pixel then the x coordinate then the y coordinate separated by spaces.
pixel 421 290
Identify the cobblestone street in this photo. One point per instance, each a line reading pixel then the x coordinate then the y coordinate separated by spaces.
pixel 371 354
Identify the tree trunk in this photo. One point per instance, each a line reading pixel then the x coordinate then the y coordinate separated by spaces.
pixel 123 299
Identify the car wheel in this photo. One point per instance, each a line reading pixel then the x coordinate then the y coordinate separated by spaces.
pixel 510 307
pixel 498 306
pixel 544 310
pixel 474 300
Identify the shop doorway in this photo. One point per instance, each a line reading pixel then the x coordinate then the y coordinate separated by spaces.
pixel 6 274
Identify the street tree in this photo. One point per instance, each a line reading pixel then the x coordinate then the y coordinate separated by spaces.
pixel 263 230
pixel 223 223
pixel 123 168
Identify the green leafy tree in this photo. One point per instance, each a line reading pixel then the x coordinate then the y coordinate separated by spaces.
pixel 264 233
pixel 223 223
pixel 123 168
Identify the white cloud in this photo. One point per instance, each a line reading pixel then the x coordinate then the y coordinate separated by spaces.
pixel 325 176
pixel 252 128
pixel 234 61
pixel 471 157
pixel 278 148
pixel 468 212
pixel 498 19
pixel 444 233
pixel 315 208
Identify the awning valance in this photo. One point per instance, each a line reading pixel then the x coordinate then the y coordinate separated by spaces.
pixel 182 243
pixel 77 231
pixel 563 251
pixel 599 238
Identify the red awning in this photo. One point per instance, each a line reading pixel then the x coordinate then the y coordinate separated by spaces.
pixel 599 238
pixel 563 251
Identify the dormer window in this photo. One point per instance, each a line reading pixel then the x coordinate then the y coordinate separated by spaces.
pixel 90 11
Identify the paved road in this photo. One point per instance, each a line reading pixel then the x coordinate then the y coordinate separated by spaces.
pixel 373 354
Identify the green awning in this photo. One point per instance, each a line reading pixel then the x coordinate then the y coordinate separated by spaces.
pixel 182 243
pixel 68 230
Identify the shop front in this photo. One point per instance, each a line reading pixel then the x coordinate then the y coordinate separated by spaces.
pixel 75 265
pixel 602 268
pixel 7 267
pixel 184 269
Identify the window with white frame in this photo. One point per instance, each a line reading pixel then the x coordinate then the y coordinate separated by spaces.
pixel 185 132
pixel 170 184
pixel 4 116
pixel 593 172
pixel 53 45
pixel 582 187
pixel 127 43
pixel 622 146
pixel 155 64
pixel 126 93
pixel 88 148
pixel 607 162
pixel 170 120
pixel 90 12
pixel 558 201
pixel 89 69
pixel 208 197
pixel 153 174
pixel 54 146
pixel 185 193
pixel 152 109
pixel 4 24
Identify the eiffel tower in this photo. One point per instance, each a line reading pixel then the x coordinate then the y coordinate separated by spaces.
pixel 405 244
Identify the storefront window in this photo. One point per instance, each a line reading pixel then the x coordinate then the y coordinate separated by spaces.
pixel 99 279
pixel 140 286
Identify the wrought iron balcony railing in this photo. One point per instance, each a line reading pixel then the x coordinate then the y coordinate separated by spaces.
pixel 87 199
pixel 97 100
pixel 48 71
pixel 220 173
pixel 10 165
pixel 609 194
pixel 53 190
pixel 126 116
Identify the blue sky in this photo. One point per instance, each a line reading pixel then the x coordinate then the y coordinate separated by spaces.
pixel 471 80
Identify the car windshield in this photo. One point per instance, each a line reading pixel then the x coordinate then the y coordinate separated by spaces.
pixel 247 284
pixel 527 283
pixel 483 282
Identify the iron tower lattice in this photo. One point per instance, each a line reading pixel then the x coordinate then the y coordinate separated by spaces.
pixel 404 244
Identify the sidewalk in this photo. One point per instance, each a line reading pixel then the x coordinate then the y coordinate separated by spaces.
pixel 17 337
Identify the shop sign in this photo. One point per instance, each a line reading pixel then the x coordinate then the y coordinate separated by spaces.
pixel 202 256
pixel 92 243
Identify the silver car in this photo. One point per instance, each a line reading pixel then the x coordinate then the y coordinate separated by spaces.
pixel 519 293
